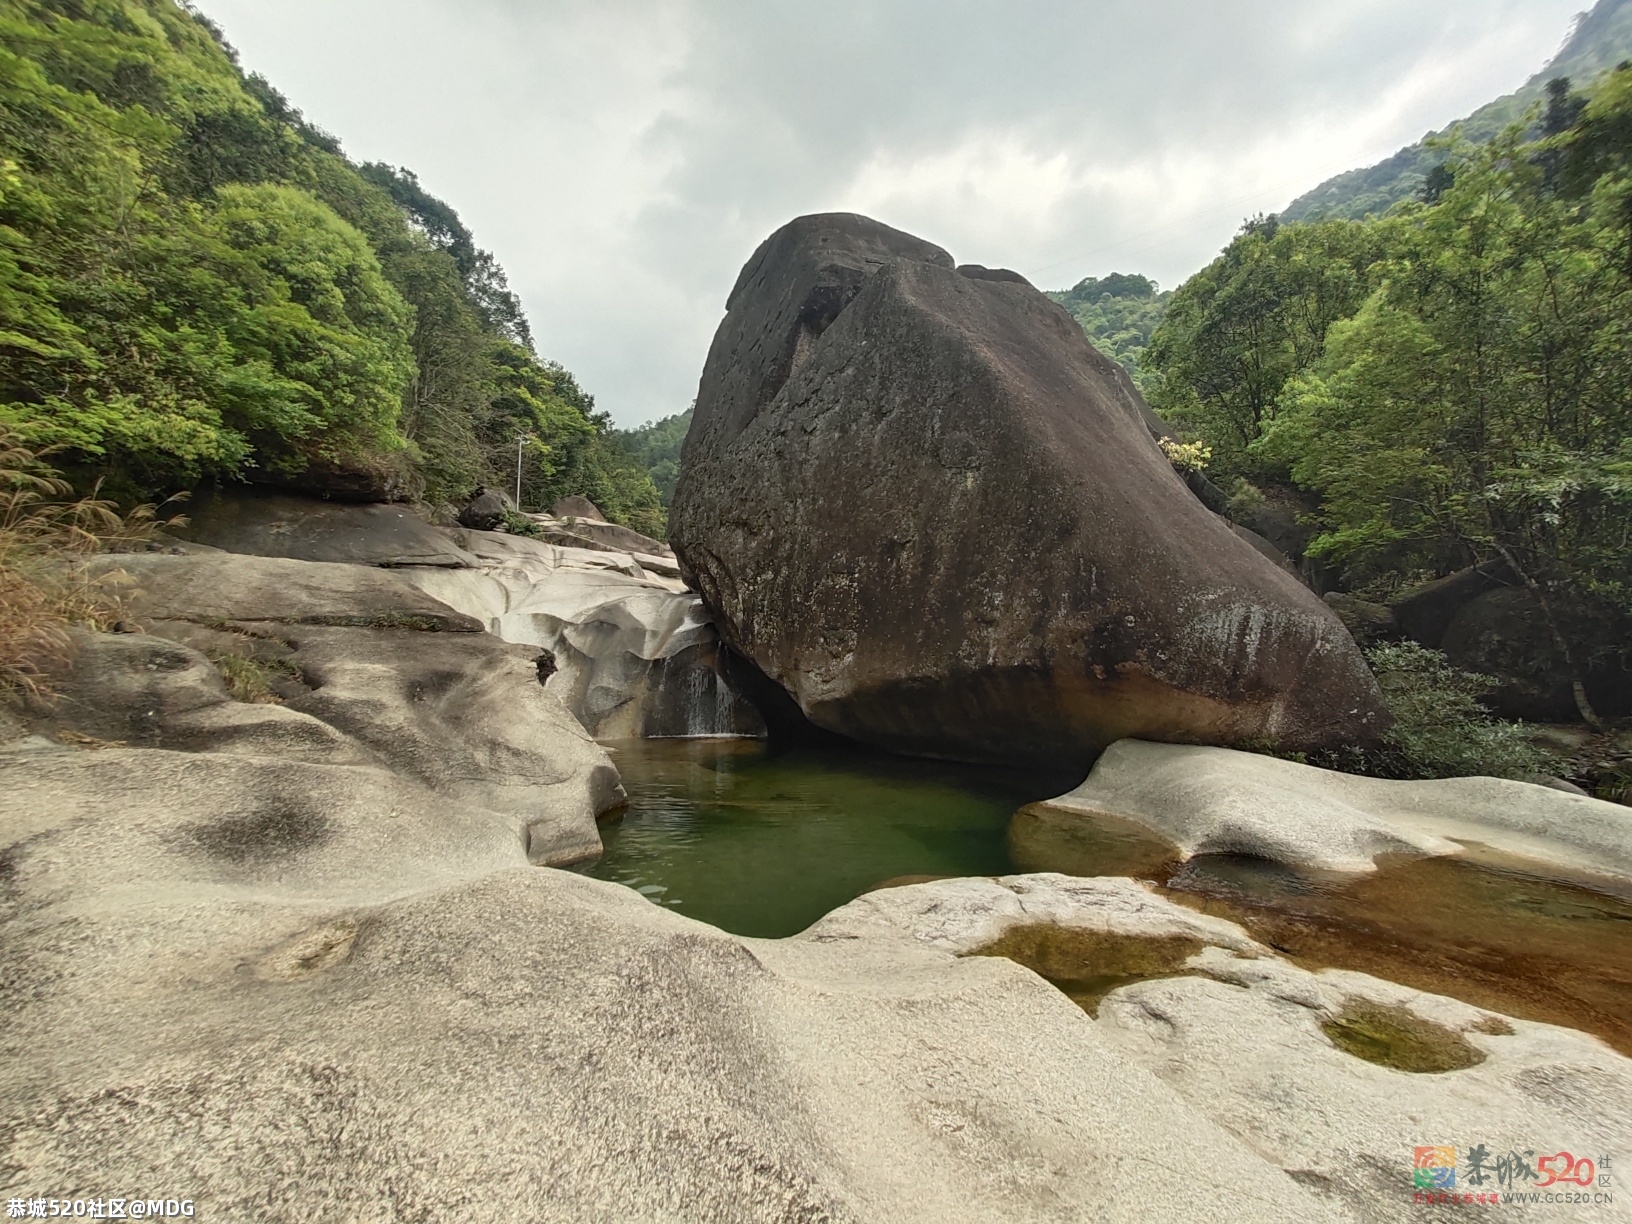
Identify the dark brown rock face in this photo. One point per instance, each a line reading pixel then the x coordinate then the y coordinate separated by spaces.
pixel 919 500
pixel 577 507
pixel 1425 612
pixel 307 529
pixel 1503 633
pixel 362 478
pixel 485 511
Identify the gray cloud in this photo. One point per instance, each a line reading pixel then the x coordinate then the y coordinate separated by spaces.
pixel 623 158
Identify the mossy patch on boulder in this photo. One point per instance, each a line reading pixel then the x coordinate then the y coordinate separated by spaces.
pixel 1400 1039
pixel 1087 965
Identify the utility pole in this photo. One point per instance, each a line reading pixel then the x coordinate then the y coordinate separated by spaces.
pixel 521 444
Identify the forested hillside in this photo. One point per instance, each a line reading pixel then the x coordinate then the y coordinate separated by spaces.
pixel 196 284
pixel 1449 383
pixel 1600 40
pixel 1119 312
pixel 656 447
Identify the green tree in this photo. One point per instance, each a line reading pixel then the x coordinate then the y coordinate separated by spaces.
pixel 1477 405
pixel 1239 330
pixel 656 447
pixel 167 337
pixel 196 283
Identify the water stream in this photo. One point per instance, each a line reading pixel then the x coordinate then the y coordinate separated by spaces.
pixel 1485 929
pixel 763 843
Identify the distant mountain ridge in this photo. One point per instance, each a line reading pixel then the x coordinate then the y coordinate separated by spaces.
pixel 1599 40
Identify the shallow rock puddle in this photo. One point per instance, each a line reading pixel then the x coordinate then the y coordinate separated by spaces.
pixel 1483 929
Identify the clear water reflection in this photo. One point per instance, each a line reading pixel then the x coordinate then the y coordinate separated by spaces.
pixel 764 843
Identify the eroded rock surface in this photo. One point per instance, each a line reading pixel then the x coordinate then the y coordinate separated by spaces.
pixel 221 586
pixel 368 669
pixel 317 979
pixel 1268 1051
pixel 598 534
pixel 306 529
pixel 1218 801
pixel 1309 1070
pixel 577 507
pixel 635 655
pixel 924 504
pixel 469 718
pixel 486 510
pixel 964 916
pixel 325 993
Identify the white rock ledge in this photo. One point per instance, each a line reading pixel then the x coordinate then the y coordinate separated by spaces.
pixel 1219 801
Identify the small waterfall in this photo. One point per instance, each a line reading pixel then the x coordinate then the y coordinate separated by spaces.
pixel 698 707
pixel 724 703
pixel 688 698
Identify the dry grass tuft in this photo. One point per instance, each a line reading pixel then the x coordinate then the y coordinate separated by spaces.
pixel 46 536
pixel 80 740
pixel 250 679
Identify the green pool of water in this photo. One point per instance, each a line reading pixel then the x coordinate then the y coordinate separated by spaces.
pixel 763 843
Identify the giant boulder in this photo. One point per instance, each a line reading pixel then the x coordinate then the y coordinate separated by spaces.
pixel 920 500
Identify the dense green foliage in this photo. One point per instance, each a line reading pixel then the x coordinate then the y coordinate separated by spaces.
pixel 1478 403
pixel 1600 40
pixel 1440 728
pixel 1454 380
pixel 1236 332
pixel 195 283
pixel 656 447
pixel 1120 313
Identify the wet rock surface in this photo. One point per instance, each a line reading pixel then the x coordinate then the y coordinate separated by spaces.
pixel 325 993
pixel 1480 927
pixel 293 960
pixel 1337 1077
pixel 1218 801
pixel 635 654
pixel 923 504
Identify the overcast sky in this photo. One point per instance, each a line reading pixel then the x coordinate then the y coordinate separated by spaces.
pixel 622 158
